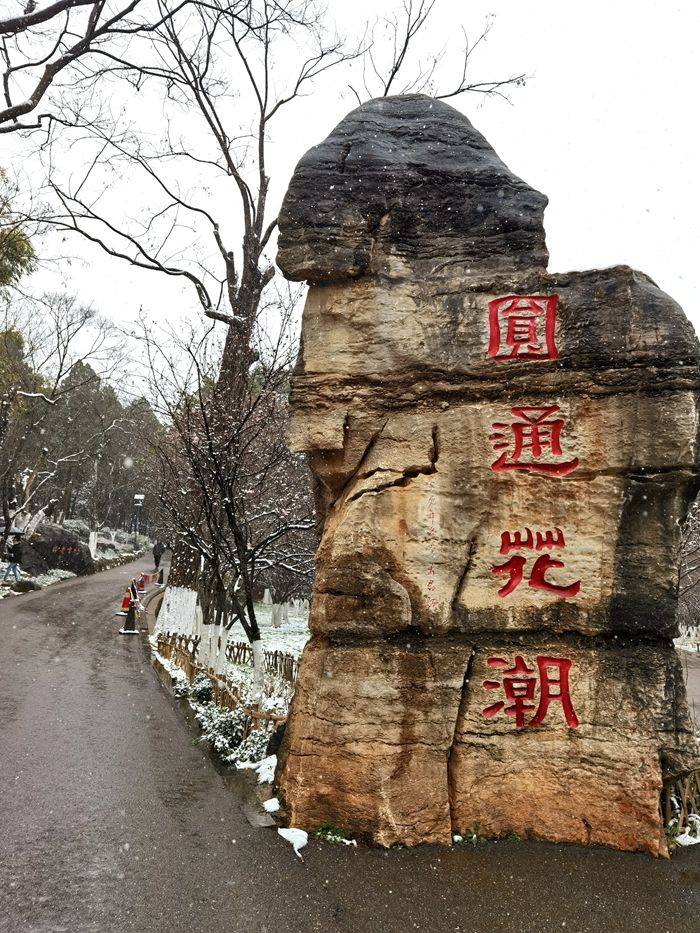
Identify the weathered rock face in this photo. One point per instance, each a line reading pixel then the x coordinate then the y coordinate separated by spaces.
pixel 53 547
pixel 502 459
pixel 406 180
pixel 598 782
pixel 377 722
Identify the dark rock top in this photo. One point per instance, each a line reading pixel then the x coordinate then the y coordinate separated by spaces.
pixel 403 180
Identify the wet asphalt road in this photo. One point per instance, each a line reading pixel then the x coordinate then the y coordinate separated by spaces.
pixel 112 819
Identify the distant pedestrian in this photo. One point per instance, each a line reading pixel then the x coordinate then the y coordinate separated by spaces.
pixel 14 557
pixel 158 549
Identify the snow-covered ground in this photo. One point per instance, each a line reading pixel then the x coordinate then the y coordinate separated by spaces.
pixel 43 579
pixel 691 836
pixel 278 692
pixel 290 637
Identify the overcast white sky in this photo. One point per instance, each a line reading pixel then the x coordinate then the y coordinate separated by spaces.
pixel 606 127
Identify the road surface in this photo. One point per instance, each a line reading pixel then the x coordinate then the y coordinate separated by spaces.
pixel 114 819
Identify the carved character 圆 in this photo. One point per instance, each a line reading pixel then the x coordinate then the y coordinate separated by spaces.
pixel 522 327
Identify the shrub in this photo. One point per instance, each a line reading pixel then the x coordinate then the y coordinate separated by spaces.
pixel 222 727
pixel 253 748
pixel 202 689
pixel 331 833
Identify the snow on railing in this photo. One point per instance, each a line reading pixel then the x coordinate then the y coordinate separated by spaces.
pixel 284 665
pixel 680 806
pixel 182 651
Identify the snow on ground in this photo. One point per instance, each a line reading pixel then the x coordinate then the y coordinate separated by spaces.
pixel 278 692
pixel 691 836
pixel 265 768
pixel 53 576
pixel 110 553
pixel 290 637
pixel 298 838
pixel 176 674
pixel 43 579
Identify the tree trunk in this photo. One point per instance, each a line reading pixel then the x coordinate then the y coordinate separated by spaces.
pixel 258 671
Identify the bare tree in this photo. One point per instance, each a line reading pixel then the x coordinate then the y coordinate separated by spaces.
pixel 50 48
pixel 689 575
pixel 237 503
pixel 392 64
pixel 219 74
pixel 211 61
pixel 216 66
pixel 16 252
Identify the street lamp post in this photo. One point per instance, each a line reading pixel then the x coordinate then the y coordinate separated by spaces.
pixel 138 505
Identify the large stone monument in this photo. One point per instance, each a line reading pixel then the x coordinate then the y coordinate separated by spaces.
pixel 502 458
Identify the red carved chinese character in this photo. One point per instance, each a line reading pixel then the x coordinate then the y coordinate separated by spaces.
pixel 519 688
pixel 522 327
pixel 515 567
pixel 561 693
pixel 525 440
pixel 549 539
pixel 516 542
pixel 537 580
pixel 525 541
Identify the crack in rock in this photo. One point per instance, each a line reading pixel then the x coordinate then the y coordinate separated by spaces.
pixel 406 475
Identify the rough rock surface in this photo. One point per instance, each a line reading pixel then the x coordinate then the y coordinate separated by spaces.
pixel 32 560
pixel 598 783
pixel 53 547
pixel 372 750
pixel 402 180
pixel 543 559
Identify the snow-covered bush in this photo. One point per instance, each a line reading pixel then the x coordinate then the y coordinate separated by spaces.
pixel 181 687
pixel 78 527
pixel 691 835
pixel 252 748
pixel 224 728
pixel 202 689
pixel 53 576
